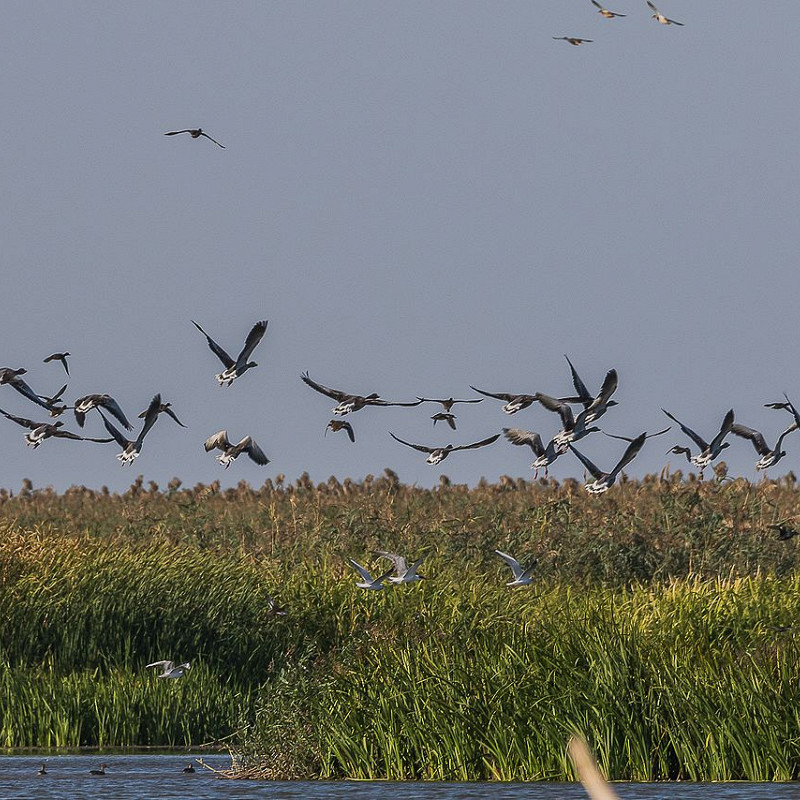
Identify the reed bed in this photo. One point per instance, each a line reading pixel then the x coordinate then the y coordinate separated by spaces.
pixel 661 626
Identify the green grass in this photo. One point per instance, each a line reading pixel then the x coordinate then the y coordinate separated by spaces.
pixel 660 627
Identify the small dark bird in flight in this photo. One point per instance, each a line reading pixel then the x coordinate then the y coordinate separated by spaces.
pixel 62 357
pixel 443 416
pixel 661 18
pixel 341 425
pixel 573 39
pixel 230 452
pixel 605 12
pixel 195 133
pixel 236 368
pixel 438 454
pixel 350 402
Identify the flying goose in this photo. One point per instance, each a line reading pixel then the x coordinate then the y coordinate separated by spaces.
pixel 513 402
pixel 605 12
pixel 448 402
pixel 603 481
pixel 341 425
pixel 164 408
pixel 661 18
pixel 708 451
pixel 573 39
pixel 544 455
pixel 39 431
pixel 443 416
pixel 195 133
pixel 439 454
pixel 132 447
pixel 769 456
pixel 522 575
pixel 367 581
pixel 169 670
pixel 350 402
pixel 230 452
pixel 403 573
pixel 597 404
pixel 85 404
pixel 62 357
pixel 236 368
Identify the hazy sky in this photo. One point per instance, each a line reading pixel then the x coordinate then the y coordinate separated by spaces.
pixel 418 196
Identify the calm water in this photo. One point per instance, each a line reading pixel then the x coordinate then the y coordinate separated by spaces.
pixel 132 777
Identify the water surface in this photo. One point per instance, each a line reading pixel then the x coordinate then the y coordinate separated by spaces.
pixel 135 776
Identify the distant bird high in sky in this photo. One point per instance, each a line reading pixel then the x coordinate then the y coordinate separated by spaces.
pixel 605 12
pixel 195 133
pixel 657 15
pixel 230 452
pixel 439 454
pixel 348 403
pixel 573 39
pixel 235 368
pixel 62 357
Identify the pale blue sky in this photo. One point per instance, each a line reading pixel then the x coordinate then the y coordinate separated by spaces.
pixel 419 196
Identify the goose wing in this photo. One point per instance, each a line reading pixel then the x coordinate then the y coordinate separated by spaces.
pixel 203 133
pixel 591 468
pixel 350 432
pixel 175 133
pixel 253 338
pixel 512 562
pixel 481 443
pixel 121 440
pixel 520 437
pixel 561 408
pixel 630 453
pixel 23 388
pixel 150 417
pixel 701 443
pixel 497 395
pixel 580 387
pixel 255 453
pixel 26 423
pixel 219 441
pixel 724 430
pixel 760 444
pixel 334 394
pixel 631 438
pixel 215 348
pixel 610 383
pixel 111 405
pixel 421 447
pixel 169 412
pixel 379 402
pixel 653 7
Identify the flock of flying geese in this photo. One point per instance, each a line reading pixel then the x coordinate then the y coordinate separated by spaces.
pixel 575 40
pixel 578 415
